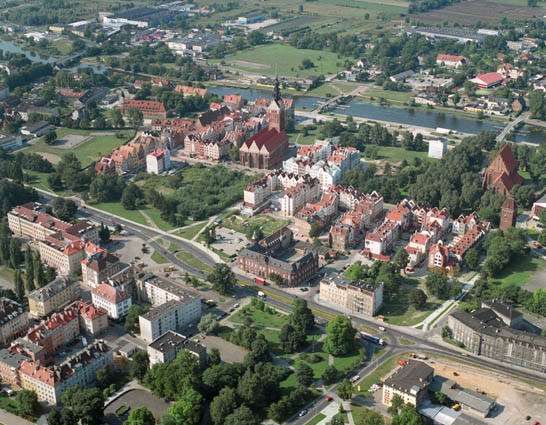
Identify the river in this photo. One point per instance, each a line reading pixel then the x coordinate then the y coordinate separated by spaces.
pixel 418 117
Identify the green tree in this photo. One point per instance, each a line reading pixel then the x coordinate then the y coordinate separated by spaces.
pixel 104 234
pixel 135 117
pixel 304 374
pixel 222 279
pixel 115 117
pixel 27 403
pixel 397 403
pixel 330 375
pixel 339 336
pixel 401 258
pixel 188 408
pixel 369 417
pixel 437 284
pixel 407 416
pixel 87 404
pixel 223 405
pixel 131 197
pixel 242 416
pixel 537 104
pixel 64 209
pixel 131 320
pixel 19 286
pixel 292 339
pixel 140 363
pixel 51 137
pixel 472 259
pixel 345 389
pixel 418 298
pixel 208 324
pixel 140 416
pixel 302 317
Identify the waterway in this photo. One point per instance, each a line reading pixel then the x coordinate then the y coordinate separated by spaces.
pixel 408 116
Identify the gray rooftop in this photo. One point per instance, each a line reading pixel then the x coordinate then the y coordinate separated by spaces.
pixel 411 378
pixel 174 341
pixel 160 310
pixel 51 289
pixel 467 397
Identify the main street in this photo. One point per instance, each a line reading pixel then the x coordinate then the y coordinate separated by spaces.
pixel 280 299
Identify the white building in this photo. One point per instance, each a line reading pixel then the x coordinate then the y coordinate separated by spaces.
pixel 157 291
pixel 115 301
pixel 171 316
pixel 437 148
pixel 158 161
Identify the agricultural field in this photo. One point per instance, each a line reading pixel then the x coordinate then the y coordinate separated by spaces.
pixel 474 11
pixel 270 59
pixel 87 145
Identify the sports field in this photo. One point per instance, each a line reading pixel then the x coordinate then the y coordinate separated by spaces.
pixel 87 145
pixel 269 59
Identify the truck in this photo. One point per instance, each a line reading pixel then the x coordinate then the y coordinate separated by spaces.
pixel 260 281
pixel 371 338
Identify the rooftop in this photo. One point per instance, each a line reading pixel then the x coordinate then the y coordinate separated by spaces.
pixel 51 289
pixel 411 378
pixel 9 310
pixel 174 341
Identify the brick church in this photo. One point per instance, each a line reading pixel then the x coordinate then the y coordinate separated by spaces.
pixel 502 174
pixel 268 148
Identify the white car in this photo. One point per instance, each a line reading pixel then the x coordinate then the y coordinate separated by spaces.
pixel 302 413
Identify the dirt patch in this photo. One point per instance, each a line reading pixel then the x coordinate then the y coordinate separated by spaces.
pixel 537 281
pixel 474 11
pixel 51 157
pixel 70 141
pixel 516 399
pixel 252 65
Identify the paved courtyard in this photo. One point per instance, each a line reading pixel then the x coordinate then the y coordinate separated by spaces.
pixel 135 399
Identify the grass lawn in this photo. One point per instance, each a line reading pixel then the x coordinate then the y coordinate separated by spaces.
pixel 191 260
pixel 377 93
pixel 405 341
pixel 519 272
pixel 158 258
pixel 155 216
pixel 316 419
pixel 399 311
pixel 377 375
pixel 88 151
pixel 333 89
pixel 190 231
pixel 395 154
pixel 63 45
pixel 7 274
pixel 299 137
pixel 261 319
pixel 267 223
pixel 269 59
pixel 117 209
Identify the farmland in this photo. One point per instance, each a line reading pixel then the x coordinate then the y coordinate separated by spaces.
pixel 474 11
pixel 285 60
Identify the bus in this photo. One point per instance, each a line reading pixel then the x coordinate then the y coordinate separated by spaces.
pixel 371 338
pixel 260 281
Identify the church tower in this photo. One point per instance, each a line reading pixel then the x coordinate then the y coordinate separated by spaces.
pixel 508 213
pixel 276 115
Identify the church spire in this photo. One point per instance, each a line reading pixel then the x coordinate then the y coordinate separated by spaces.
pixel 277 90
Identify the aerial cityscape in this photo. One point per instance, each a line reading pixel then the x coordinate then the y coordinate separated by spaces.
pixel 244 212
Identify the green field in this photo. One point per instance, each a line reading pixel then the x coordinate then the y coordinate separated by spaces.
pixel 152 217
pixel 158 258
pixel 260 319
pixel 193 261
pixel 333 89
pixel 270 59
pixel 268 224
pixel 396 154
pixel 519 272
pixel 316 419
pixel 189 232
pixel 301 138
pixel 377 94
pixel 88 151
pixel 377 375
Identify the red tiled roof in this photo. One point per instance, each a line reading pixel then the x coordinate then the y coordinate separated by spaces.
pixel 152 106
pixel 490 78
pixel 450 58
pixel 271 138
pixel 110 293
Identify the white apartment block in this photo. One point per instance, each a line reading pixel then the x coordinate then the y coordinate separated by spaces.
pixel 170 316
pixel 437 148
pixel 114 300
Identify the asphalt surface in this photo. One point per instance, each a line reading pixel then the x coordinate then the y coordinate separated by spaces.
pixel 391 334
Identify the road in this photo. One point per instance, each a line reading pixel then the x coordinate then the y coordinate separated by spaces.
pixel 283 301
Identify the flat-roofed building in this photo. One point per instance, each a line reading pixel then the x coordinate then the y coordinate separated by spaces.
pixel 409 381
pixel 157 291
pixel 165 348
pixel 13 320
pixel 171 316
pixel 49 298
pixel 359 297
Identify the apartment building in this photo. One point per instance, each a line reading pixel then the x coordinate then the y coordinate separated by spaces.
pixel 56 331
pixel 358 297
pixel 409 381
pixel 79 369
pixel 13 320
pixel 158 161
pixel 51 297
pixel 116 301
pixel 157 291
pixel 63 255
pixel 93 320
pixel 296 197
pixel 170 316
pixel 99 266
pixel 341 236
pixel 31 221
pixel 165 348
pixel 378 242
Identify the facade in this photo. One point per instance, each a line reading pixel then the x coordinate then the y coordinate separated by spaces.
pixel 93 320
pixel 485 333
pixel 381 240
pixel 114 300
pixel 80 369
pixel 100 266
pixel 13 320
pixel 63 255
pixel 171 316
pixel 538 207
pixel 165 348
pixel 51 297
pixel 55 331
pixel 450 61
pixel 502 174
pixel 358 297
pixel 158 161
pixel 157 291
pixel 262 259
pixel 437 148
pixel 509 212
pixel 410 382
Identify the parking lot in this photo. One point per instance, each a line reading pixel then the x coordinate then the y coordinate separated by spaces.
pixel 134 399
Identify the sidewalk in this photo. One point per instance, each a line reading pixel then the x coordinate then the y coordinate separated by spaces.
pixel 7 418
